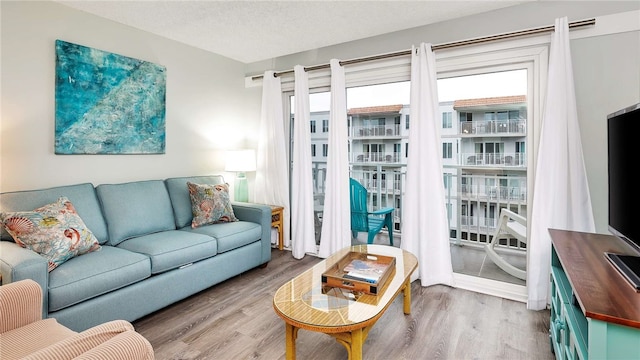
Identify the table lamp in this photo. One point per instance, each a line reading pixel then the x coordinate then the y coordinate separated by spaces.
pixel 240 162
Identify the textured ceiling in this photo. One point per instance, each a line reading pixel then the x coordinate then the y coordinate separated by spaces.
pixel 250 31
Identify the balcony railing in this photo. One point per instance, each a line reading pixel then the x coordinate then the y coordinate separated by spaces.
pixel 359 131
pixel 494 127
pixel 493 159
pixel 377 157
pixel 501 194
pixel 386 189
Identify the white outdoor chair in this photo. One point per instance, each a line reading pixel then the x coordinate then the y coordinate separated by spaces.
pixel 510 225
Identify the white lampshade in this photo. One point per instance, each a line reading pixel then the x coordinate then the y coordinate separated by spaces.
pixel 240 160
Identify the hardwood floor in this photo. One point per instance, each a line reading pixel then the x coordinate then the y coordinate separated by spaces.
pixel 236 320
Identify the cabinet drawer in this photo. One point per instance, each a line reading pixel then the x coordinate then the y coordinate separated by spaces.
pixel 562 285
pixel 568 326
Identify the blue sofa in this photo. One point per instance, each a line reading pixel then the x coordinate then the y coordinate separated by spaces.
pixel 150 255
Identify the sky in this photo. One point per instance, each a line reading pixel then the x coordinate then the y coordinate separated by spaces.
pixel 465 87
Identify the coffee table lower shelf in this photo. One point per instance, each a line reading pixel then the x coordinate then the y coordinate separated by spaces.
pixel 352 340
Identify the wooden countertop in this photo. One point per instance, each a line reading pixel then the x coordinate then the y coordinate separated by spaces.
pixel 602 292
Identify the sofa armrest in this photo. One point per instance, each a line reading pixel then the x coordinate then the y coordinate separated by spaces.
pixel 18 263
pixel 116 338
pixel 21 304
pixel 260 214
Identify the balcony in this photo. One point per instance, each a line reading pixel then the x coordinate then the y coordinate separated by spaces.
pixel 516 127
pixel 378 131
pixel 493 159
pixel 500 194
pixel 377 157
pixel 475 196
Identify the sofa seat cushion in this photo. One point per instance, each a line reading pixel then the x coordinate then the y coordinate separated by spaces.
pixel 93 274
pixel 230 235
pixel 172 249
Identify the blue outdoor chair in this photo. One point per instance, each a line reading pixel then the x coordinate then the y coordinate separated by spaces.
pixel 364 221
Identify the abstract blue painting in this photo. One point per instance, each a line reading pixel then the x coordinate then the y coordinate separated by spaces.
pixel 107 103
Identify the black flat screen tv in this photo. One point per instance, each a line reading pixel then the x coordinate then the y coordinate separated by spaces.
pixel 623 135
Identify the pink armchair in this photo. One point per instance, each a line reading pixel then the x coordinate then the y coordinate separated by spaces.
pixel 25 335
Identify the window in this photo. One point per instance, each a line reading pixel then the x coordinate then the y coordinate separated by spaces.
pixel 447 150
pixel 469 204
pixel 325 150
pixel 446 177
pixel 313 150
pixel 520 156
pixel 374 152
pixel 446 120
pixel 325 125
pixel 465 116
pixel 313 126
pixel 493 153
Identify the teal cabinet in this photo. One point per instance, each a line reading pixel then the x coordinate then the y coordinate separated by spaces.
pixel 595 314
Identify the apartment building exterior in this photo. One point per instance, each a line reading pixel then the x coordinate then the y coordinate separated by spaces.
pixel 483 153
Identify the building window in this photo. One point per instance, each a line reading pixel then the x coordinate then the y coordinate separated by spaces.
pixel 465 116
pixel 313 126
pixel 325 125
pixel 520 153
pixel 397 149
pixel 446 178
pixel 313 150
pixel 374 152
pixel 447 150
pixel 446 120
pixel 406 121
pixel 406 150
pixel 325 150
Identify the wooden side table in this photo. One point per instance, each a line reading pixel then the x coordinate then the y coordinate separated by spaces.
pixel 277 215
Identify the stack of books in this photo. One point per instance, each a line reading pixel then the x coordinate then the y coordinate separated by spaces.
pixel 360 272
pixel 365 270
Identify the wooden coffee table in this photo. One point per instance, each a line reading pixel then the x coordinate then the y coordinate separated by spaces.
pixel 303 303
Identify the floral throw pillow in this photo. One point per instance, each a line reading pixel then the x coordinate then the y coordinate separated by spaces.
pixel 54 231
pixel 210 204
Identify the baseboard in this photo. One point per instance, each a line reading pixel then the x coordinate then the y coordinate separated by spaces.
pixel 490 287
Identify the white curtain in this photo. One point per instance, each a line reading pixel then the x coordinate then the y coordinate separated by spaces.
pixel 272 179
pixel 425 228
pixel 336 218
pixel 561 197
pixel 302 225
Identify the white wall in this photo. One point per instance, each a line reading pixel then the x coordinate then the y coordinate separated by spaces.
pixel 206 111
pixel 606 68
pixel 209 110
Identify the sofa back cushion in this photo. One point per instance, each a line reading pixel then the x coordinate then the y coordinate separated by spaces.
pixel 179 194
pixel 135 208
pixel 82 196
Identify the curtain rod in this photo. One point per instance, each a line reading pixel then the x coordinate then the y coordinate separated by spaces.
pixel 534 31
